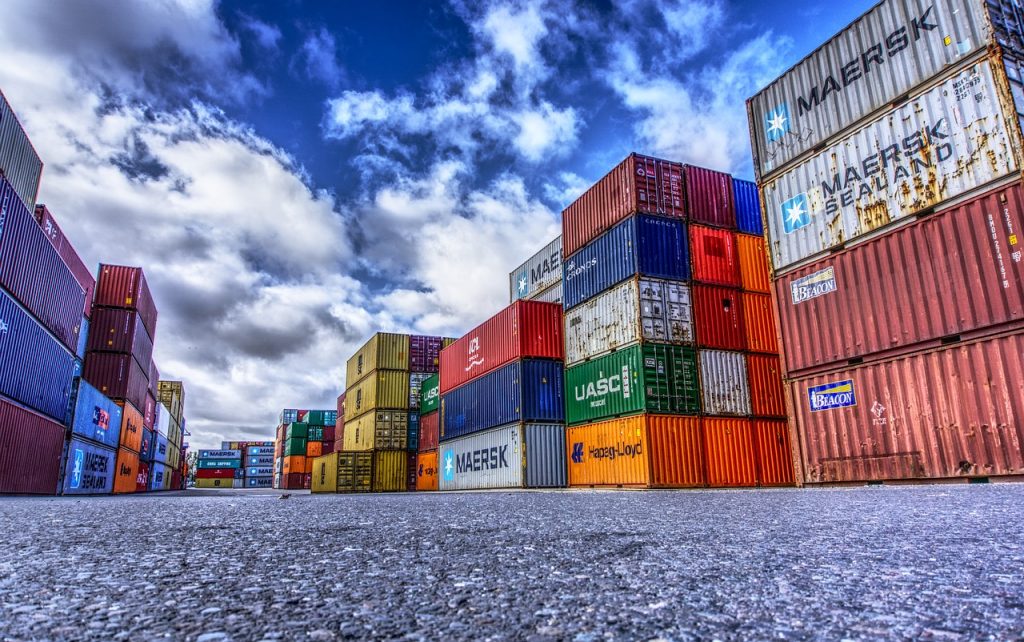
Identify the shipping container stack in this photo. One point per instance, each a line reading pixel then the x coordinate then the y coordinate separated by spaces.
pixel 424 362
pixel 429 434
pixel 219 468
pixel 259 464
pixel 287 417
pixel 301 442
pixel 894 226
pixel 502 422
pixel 663 321
pixel 170 396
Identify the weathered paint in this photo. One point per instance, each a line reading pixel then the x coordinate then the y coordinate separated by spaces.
pixel 390 471
pixel 30 458
pixel 715 256
pixel 426 471
pixel 748 207
pixel 378 429
pixel 718 317
pixel 325 474
pixel 379 389
pixel 754 270
pixel 430 394
pixel 540 272
pixel 759 323
pixel 729 452
pixel 709 197
pixel 511 456
pixel 767 398
pixel 19 162
pixel 122 286
pixel 126 471
pixel 724 384
pixel 383 351
pixel 773 453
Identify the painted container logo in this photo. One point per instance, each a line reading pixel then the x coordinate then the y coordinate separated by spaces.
pixel 839 394
pixel 600 388
pixel 776 123
pixel 795 213
pixel 474 359
pixel 76 471
pixel 813 285
pixel 449 466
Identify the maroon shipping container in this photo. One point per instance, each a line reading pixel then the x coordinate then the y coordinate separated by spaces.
pixel 429 431
pixel 956 411
pixel 959 272
pixel 120 286
pixel 638 185
pixel 154 379
pixel 410 471
pixel 307 480
pixel 718 317
pixel 120 330
pixel 30 451
pixel 176 479
pixel 67 252
pixel 33 272
pixel 293 481
pixel 328 447
pixel 424 353
pixel 709 197
pixel 525 329
pixel 715 256
pixel 149 412
pixel 142 478
pixel 329 433
pixel 118 376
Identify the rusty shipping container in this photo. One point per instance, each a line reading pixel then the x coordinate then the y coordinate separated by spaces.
pixel 887 53
pixel 426 471
pixel 31 451
pixel 379 389
pixel 637 185
pixel 131 426
pixel 122 330
pixel 430 431
pixel 126 471
pixel 956 411
pixel 950 141
pixel 954 274
pixel 377 429
pixel 767 398
pixel 118 376
pixel 120 286
pixel 710 199
pixel 19 162
pixel 715 256
pixel 724 383
pixel 759 323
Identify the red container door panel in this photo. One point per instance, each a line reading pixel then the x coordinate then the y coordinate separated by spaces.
pixel 767 396
pixel 759 323
pixel 715 256
pixel 773 452
pixel 709 197
pixel 30 451
pixel 729 452
pixel 718 315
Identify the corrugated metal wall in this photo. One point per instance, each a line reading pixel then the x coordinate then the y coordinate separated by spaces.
pixel 724 384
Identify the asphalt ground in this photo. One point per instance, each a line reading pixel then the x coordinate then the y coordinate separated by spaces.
pixel 912 562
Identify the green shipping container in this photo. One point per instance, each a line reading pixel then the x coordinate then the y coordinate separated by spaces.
pixel 318 417
pixel 652 377
pixel 315 433
pixel 295 446
pixel 430 395
pixel 297 430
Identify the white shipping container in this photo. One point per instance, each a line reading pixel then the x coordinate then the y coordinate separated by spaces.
pixel 19 162
pixel 725 387
pixel 890 51
pixel 958 136
pixel 551 295
pixel 656 310
pixel 540 272
pixel 510 456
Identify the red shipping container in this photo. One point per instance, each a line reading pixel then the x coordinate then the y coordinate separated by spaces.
pixel 638 185
pixel 759 323
pixel 307 481
pixel 525 329
pixel 958 272
pixel 215 473
pixel 950 412
pixel 429 431
pixel 729 451
pixel 329 433
pixel 175 480
pixel 142 478
pixel 773 453
pixel 149 413
pixel 121 286
pixel 718 316
pixel 30 451
pixel 341 406
pixel 715 258
pixel 767 395
pixel 328 447
pixel 67 252
pixel 118 376
pixel 120 330
pixel 754 272
pixel 709 197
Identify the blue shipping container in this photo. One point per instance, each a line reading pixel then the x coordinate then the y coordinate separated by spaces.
pixel 89 468
pixel 96 416
pixel 161 448
pixel 259 482
pixel 157 472
pixel 83 339
pixel 261 471
pixel 748 207
pixel 526 390
pixel 253 451
pixel 644 245
pixel 413 431
pixel 35 369
pixel 148 445
pixel 260 460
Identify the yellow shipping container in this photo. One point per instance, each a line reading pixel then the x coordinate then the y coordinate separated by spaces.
pixel 382 389
pixel 325 474
pixel 377 430
pixel 390 470
pixel 384 351
pixel 355 472
pixel 214 483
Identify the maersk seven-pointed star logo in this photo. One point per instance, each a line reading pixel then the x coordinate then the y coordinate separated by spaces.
pixel 795 213
pixel 776 123
pixel 449 466
pixel 522 284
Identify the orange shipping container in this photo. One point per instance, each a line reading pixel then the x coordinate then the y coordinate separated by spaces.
pixel 653 451
pixel 767 396
pixel 426 470
pixel 729 451
pixel 131 426
pixel 314 448
pixel 759 325
pixel 753 263
pixel 127 469
pixel 294 464
pixel 774 454
pixel 308 470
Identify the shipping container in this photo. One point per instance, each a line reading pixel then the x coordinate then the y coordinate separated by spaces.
pixel 219 483
pixel 225 453
pixel 649 377
pixel 877 60
pixel 525 329
pixel 773 453
pixel 160 450
pixel 942 144
pixel 554 294
pixel 30 459
pixel 119 286
pixel 294 464
pixel 718 316
pixel 172 395
pixel 530 455
pixel 131 426
pixel 83 340
pixel 120 330
pixel 295 446
pixel 355 472
pixel 430 431
pixel 260 471
pixel 748 207
pixel 147 445
pixel 383 351
pixel 233 464
pixel 725 386
pixel 638 185
pixel 754 272
pixel 83 275
pixel 642 245
pixel 426 471
pixel 288 416
pixel 141 477
pixel 379 389
pixel 709 197
pixel 215 473
pixel 126 471
pixel 958 272
pixel 149 412
pixel 424 353
pixel 158 474
pixel 527 390
pixel 321 417
pixel 767 398
pixel 19 162
pixel 95 416
pixel 759 323
pixel 416 380
pixel 956 411
pixel 341 407
pixel 413 432
pixel 430 395
pixel 118 376
pixel 540 272
pixel 259 482
pixel 644 450
pixel 729 452
pixel 314 449
pixel 378 429
pixel 89 469
pixel 297 430
pixel 715 257
pixel 641 309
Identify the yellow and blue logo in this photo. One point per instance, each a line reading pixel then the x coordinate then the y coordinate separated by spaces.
pixel 839 394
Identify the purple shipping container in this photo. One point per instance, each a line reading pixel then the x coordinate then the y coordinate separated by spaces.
pixel 34 273
pixel 31 452
pixel 67 252
pixel 120 330
pixel 709 197
pixel 424 353
pixel 118 376
pixel 35 369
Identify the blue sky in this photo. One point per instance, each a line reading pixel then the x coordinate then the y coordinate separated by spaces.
pixel 294 176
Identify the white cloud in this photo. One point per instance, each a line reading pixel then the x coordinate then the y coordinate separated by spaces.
pixel 319 58
pixel 545 130
pixel 515 32
pixel 267 35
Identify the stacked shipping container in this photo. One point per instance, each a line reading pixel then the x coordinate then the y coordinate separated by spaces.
pixel 309 434
pixel 893 212
pixel 429 434
pixel 170 396
pixel 219 468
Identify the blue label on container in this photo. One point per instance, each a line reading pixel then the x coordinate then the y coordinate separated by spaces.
pixel 839 394
pixel 813 285
pixel 796 213
pixel 448 467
